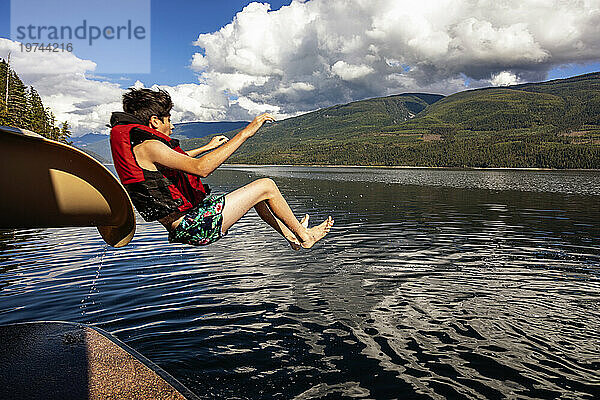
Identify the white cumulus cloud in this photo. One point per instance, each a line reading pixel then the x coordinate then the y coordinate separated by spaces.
pixel 65 84
pixel 62 81
pixel 353 49
pixel 504 78
pixel 350 72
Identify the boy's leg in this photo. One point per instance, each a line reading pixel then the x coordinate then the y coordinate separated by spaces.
pixel 265 213
pixel 238 202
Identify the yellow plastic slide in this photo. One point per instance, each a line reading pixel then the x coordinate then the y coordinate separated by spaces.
pixel 45 183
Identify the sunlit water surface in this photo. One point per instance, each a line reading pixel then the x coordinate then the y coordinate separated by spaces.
pixel 432 284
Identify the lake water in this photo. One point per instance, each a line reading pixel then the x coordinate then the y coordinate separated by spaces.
pixel 432 284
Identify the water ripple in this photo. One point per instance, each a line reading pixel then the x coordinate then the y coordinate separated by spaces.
pixel 420 291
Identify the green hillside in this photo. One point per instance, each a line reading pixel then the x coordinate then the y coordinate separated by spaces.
pixel 291 137
pixel 491 110
pixel 563 105
pixel 581 95
pixel 554 124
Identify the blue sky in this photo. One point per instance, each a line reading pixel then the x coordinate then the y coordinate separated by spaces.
pixel 568 70
pixel 175 24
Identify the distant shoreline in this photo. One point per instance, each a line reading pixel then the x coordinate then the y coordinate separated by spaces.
pixel 411 167
pixel 406 167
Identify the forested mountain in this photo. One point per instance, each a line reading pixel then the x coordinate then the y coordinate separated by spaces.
pixel 554 124
pixel 561 105
pixel 326 127
pixel 22 107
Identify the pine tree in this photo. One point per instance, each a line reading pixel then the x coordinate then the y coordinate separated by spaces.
pixel 38 123
pixel 52 132
pixel 55 135
pixel 3 106
pixel 25 109
pixel 65 132
pixel 18 112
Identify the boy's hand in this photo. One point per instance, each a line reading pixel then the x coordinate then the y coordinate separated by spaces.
pixel 255 125
pixel 217 141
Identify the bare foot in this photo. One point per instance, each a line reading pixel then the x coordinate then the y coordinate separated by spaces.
pixel 293 241
pixel 317 233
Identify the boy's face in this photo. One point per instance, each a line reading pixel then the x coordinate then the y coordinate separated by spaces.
pixel 163 125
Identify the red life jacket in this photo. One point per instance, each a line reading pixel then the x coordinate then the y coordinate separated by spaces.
pixel 155 194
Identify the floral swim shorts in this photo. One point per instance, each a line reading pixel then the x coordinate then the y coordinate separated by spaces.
pixel 202 224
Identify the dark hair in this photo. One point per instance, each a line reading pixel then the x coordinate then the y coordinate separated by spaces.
pixel 144 103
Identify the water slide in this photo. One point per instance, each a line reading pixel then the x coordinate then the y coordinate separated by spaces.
pixel 49 184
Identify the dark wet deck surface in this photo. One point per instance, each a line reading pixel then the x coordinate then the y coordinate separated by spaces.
pixel 72 361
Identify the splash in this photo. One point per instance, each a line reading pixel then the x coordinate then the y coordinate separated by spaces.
pixel 86 300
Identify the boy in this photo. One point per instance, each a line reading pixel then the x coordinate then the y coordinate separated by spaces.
pixel 164 184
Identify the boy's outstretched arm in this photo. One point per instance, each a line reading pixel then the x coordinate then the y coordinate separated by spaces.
pixel 157 152
pixel 213 144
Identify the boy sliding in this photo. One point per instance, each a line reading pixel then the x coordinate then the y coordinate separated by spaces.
pixel 164 184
